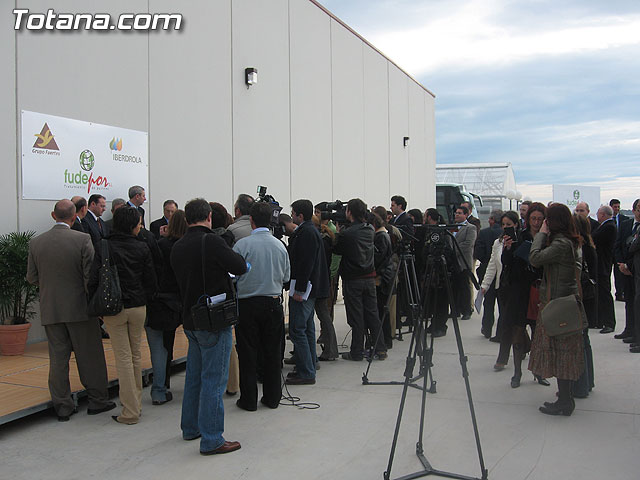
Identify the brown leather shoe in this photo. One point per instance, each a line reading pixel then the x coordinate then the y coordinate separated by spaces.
pixel 226 447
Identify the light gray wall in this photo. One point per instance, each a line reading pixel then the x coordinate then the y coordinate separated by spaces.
pixel 347 105
pixel 398 129
pixel 261 149
pixel 8 128
pixel 310 74
pixel 190 131
pixel 325 120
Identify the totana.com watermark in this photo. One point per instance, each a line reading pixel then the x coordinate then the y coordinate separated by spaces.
pixel 95 21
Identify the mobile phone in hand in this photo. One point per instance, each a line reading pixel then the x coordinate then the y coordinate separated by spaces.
pixel 511 232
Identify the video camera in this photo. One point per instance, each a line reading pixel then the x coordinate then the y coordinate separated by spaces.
pixel 334 211
pixel 274 224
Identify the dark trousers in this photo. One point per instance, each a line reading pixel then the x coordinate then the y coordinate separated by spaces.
pixel 488 315
pixel 629 305
pixel 505 331
pixel 360 303
pixel 259 328
pixel 85 340
pixel 618 280
pixel 327 331
pixel 606 312
pixel 462 293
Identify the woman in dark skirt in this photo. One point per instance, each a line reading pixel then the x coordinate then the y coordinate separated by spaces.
pixel 520 280
pixel 557 248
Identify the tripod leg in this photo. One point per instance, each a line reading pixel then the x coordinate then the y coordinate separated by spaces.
pixel 408 374
pixel 465 371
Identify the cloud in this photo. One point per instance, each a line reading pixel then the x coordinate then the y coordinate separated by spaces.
pixel 471 36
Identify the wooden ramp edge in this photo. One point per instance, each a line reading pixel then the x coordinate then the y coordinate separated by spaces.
pixel 24 379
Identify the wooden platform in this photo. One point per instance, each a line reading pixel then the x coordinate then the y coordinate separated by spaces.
pixel 24 379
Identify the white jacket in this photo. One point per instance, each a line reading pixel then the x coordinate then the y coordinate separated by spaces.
pixel 494 268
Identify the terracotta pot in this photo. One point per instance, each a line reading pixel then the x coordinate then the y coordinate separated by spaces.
pixel 13 338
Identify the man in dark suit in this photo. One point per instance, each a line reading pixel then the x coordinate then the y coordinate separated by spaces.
pixel 202 262
pixel 604 237
pixel 137 197
pixel 81 211
pixel 582 208
pixel 624 261
pixel 473 220
pixel 618 276
pixel 401 220
pixel 633 266
pixel 59 263
pixel 482 253
pixel 92 222
pixel 168 207
pixel 308 271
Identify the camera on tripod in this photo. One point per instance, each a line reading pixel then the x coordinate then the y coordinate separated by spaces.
pixel 277 229
pixel 334 211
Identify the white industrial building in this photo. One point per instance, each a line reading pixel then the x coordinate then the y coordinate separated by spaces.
pixel 329 117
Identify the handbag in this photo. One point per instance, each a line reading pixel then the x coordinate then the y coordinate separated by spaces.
pixel 107 299
pixel 533 309
pixel 564 315
pixel 210 317
pixel 588 284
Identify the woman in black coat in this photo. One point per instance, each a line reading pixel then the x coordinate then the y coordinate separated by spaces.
pixel 138 283
pixel 519 279
pixel 164 313
pixel 588 278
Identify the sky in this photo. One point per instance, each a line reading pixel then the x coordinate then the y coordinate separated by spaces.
pixel 553 87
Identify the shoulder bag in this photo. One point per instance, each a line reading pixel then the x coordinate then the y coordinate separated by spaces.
pixel 564 315
pixel 211 317
pixel 107 299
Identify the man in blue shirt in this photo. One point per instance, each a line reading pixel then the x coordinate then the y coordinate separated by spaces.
pixel 261 315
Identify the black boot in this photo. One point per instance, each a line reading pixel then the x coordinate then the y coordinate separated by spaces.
pixel 517 365
pixel 565 403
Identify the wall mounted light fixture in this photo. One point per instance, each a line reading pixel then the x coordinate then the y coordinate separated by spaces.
pixel 250 76
pixel 405 141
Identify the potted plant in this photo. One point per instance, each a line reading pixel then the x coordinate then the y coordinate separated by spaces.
pixel 16 294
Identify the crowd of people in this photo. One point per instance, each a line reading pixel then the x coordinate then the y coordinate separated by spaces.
pixel 204 254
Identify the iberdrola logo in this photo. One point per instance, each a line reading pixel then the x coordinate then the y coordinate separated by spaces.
pixel 115 144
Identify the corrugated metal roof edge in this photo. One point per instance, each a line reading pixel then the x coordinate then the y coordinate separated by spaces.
pixel 325 10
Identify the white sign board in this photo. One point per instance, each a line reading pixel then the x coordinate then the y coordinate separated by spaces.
pixel 62 157
pixel 571 195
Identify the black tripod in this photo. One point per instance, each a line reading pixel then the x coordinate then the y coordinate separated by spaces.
pixel 416 320
pixel 436 273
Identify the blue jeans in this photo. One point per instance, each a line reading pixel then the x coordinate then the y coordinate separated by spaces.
pixel 205 383
pixel 302 331
pixel 155 339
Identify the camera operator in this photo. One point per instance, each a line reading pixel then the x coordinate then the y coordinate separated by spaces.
pixel 437 298
pixel 355 244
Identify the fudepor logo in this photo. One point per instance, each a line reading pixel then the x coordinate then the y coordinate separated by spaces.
pixel 87 160
pixel 45 139
pixel 99 21
pixel 576 194
pixel 80 180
